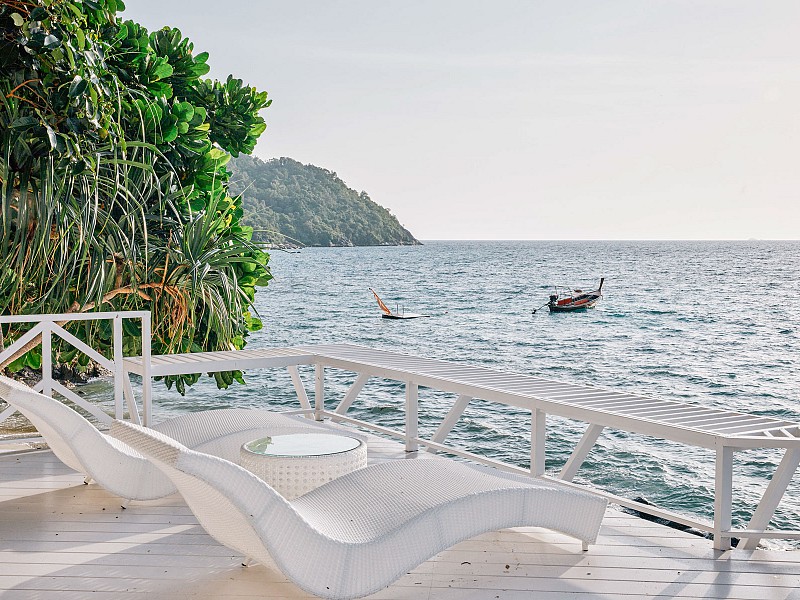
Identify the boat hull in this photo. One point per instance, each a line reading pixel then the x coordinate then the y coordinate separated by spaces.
pixel 575 306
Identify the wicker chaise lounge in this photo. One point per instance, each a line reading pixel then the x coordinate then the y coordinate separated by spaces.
pixel 120 469
pixel 357 534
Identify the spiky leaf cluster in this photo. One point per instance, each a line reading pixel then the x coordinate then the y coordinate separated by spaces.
pixel 113 180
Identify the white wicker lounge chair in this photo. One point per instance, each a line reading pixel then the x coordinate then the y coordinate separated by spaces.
pixel 357 534
pixel 122 470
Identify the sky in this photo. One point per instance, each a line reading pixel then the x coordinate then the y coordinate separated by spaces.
pixel 593 119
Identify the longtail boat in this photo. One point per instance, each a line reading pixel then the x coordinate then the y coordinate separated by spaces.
pixel 567 300
pixel 387 313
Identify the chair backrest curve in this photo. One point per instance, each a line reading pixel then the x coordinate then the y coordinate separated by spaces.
pixel 57 422
pixel 230 502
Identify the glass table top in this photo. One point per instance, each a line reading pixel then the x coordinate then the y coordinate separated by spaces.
pixel 302 444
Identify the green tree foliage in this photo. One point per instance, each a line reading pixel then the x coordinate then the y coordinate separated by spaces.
pixel 113 179
pixel 286 201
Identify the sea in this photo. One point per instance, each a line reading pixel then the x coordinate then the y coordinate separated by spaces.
pixel 715 323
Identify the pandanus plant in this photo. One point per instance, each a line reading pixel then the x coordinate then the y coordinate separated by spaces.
pixel 113 181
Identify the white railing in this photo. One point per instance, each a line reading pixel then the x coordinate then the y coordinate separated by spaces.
pixel 486 387
pixel 721 528
pixel 47 326
pixel 415 372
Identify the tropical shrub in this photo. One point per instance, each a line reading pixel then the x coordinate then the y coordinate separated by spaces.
pixel 113 180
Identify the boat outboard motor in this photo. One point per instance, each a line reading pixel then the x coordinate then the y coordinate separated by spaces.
pixel 553 297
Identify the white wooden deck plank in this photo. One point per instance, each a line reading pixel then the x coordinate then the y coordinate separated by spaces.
pixel 156 550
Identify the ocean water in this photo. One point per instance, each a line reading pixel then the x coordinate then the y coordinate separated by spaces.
pixel 716 323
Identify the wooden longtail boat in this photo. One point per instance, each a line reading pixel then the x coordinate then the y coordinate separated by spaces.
pixel 387 313
pixel 567 300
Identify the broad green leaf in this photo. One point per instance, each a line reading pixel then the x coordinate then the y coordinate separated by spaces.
pixel 184 111
pixel 51 42
pixel 34 360
pixel 24 122
pixel 78 86
pixel 162 71
pixel 169 133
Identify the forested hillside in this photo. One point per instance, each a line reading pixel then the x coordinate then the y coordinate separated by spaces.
pixel 287 202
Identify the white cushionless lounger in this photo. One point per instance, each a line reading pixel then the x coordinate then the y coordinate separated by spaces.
pixel 122 470
pixel 357 534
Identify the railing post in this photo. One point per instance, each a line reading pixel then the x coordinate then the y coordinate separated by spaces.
pixel 412 416
pixel 119 372
pixel 47 361
pixel 538 435
pixel 781 479
pixel 300 390
pixel 147 378
pixel 319 391
pixel 723 497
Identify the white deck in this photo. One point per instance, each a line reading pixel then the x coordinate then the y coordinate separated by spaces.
pixel 60 539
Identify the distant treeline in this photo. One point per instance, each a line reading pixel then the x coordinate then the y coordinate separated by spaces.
pixel 288 202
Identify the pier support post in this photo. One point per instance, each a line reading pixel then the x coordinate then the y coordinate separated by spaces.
pixel 47 362
pixel 147 373
pixel 119 369
pixel 723 497
pixel 412 416
pixel 319 391
pixel 538 435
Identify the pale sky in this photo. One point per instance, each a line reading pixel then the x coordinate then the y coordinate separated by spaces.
pixel 593 119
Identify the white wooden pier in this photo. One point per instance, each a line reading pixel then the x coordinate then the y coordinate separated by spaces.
pixel 59 539
pixel 720 430
pixel 62 540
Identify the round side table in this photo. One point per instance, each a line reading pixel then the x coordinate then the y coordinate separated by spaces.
pixel 297 463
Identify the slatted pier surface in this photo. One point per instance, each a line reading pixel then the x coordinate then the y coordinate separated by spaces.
pixel 211 362
pixel 62 540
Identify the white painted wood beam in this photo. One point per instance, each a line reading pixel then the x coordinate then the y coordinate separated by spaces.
pixel 352 394
pixel 47 362
pixel 7 413
pixel 538 436
pixel 319 391
pixel 24 339
pixel 130 399
pixel 772 496
pixel 84 404
pixel 412 416
pixel 80 345
pixel 450 419
pixel 147 370
pixel 723 497
pixel 580 453
pixel 299 388
pixel 119 369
